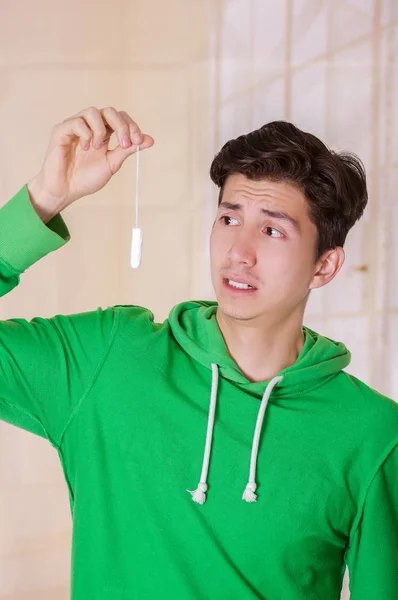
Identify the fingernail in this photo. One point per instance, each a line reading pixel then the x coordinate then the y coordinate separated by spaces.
pixel 98 144
pixel 137 137
pixel 126 142
pixel 87 146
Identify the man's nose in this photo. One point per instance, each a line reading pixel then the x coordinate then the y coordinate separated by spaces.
pixel 242 250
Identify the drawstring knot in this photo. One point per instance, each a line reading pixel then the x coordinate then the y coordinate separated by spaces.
pixel 199 495
pixel 249 494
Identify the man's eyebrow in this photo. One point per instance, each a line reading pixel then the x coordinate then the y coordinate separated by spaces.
pixel 275 214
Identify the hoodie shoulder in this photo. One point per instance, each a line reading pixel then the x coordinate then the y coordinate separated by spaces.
pixel 374 410
pixel 369 395
pixel 132 313
pixel 137 320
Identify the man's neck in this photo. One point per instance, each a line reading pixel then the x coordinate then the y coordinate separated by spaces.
pixel 262 350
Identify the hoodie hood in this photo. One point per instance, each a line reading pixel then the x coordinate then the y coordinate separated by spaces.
pixel 195 328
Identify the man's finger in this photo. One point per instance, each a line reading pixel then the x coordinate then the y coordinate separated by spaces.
pixel 118 155
pixel 73 128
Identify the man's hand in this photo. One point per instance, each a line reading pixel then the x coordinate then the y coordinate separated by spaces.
pixel 78 160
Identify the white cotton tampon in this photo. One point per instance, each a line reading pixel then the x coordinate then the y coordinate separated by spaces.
pixel 136 247
pixel 136 236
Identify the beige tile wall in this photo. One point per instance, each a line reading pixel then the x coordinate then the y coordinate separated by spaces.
pixel 193 74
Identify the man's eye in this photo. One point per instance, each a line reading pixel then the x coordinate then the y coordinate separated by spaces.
pixel 229 220
pixel 272 232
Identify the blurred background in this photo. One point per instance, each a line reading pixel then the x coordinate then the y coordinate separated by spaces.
pixel 192 73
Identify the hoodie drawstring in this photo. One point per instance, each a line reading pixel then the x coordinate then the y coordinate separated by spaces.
pixel 199 495
pixel 249 493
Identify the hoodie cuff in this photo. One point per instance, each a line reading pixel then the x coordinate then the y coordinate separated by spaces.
pixel 24 238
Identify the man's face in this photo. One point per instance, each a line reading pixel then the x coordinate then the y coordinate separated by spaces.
pixel 262 247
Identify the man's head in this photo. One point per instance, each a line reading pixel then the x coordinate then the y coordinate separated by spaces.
pixel 286 205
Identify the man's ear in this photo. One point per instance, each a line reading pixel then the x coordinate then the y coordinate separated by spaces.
pixel 327 267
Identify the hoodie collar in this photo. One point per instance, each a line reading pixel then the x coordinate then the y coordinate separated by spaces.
pixel 195 328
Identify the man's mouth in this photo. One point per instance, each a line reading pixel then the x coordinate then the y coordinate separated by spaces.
pixel 239 286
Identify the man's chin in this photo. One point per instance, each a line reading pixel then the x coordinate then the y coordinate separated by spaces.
pixel 232 310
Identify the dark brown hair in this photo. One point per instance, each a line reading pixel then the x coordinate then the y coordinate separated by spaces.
pixel 334 183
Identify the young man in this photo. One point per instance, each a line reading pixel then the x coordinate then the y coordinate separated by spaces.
pixel 291 463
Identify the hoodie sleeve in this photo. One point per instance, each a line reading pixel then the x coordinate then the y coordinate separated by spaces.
pixel 372 557
pixel 47 366
pixel 25 239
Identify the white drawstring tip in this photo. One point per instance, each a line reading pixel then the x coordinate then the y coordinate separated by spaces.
pixel 249 494
pixel 199 495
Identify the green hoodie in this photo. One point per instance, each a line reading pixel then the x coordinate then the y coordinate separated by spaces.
pixel 125 402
